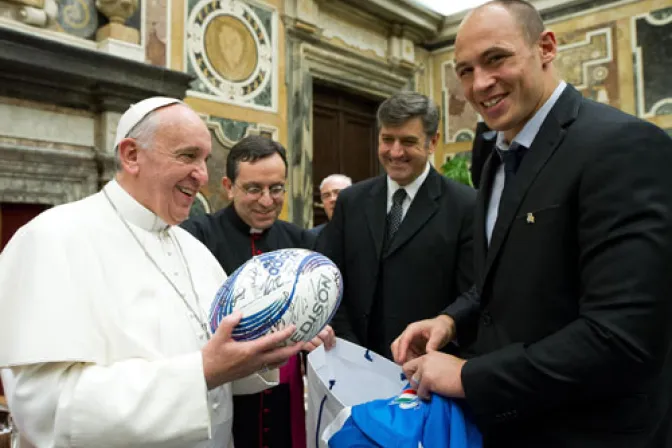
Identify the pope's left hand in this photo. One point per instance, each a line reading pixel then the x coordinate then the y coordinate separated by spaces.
pixel 326 337
pixel 436 372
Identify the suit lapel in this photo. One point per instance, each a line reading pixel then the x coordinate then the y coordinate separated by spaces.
pixel 376 211
pixel 422 208
pixel 481 213
pixel 549 137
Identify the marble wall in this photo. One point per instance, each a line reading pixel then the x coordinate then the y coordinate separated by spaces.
pixel 617 55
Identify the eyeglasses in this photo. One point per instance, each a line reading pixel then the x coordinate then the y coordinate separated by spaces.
pixel 256 192
pixel 328 194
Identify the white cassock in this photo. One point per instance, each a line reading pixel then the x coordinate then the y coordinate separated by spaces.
pixel 103 351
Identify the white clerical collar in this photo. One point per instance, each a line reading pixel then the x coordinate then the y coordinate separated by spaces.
pixel 411 189
pixel 133 211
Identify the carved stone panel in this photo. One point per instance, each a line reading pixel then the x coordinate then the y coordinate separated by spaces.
pixel 78 17
pixel 231 47
pixel 586 59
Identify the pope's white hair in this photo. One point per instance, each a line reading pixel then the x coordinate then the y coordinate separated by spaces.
pixel 331 177
pixel 144 133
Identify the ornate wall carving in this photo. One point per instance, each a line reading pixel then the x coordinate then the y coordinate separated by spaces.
pixel 78 17
pixel 231 47
pixel 586 59
pixel 652 48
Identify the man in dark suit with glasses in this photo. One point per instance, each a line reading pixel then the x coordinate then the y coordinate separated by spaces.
pixel 256 173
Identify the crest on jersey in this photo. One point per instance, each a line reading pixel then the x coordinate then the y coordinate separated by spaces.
pixel 408 399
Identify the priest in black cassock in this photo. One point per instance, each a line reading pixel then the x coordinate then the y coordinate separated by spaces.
pixel 256 171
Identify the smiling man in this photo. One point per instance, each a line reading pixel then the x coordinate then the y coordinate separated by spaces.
pixel 402 240
pixel 571 317
pixel 109 342
pixel 256 173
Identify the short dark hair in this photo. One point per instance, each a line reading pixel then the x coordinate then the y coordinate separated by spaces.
pixel 525 15
pixel 251 149
pixel 404 106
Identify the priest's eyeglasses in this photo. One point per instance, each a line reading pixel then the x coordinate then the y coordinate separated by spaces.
pixel 256 192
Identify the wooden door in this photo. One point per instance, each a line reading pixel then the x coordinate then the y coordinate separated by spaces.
pixel 345 139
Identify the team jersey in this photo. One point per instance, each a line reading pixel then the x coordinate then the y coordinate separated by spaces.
pixel 406 421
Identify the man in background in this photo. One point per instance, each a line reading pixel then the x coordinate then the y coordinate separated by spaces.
pixel 330 187
pixel 401 240
pixel 256 175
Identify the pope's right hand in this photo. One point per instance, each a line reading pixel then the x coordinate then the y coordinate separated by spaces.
pixel 226 360
pixel 423 337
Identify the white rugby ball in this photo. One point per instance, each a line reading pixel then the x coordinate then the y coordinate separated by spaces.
pixel 276 289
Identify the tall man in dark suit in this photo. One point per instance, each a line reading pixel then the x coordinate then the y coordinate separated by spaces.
pixel 403 241
pixel 571 313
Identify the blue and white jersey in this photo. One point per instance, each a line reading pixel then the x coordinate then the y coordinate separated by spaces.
pixel 406 421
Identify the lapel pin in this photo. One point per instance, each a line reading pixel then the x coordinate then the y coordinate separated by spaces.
pixel 530 218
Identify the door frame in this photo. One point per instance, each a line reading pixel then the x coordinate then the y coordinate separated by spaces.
pixel 309 59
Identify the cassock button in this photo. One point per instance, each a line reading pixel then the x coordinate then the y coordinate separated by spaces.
pixel 266 429
pixel 267 411
pixel 258 252
pixel 215 405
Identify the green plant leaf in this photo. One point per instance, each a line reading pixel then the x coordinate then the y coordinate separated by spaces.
pixel 457 169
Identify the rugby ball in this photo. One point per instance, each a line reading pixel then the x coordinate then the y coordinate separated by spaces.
pixel 276 289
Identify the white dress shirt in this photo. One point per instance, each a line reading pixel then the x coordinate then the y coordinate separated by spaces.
pixel 411 191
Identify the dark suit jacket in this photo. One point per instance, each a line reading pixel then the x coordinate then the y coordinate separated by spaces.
pixel 484 143
pixel 315 231
pixel 428 264
pixel 572 343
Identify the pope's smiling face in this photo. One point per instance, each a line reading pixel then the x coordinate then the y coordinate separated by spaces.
pixel 170 173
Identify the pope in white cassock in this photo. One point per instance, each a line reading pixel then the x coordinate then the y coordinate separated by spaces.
pixel 105 340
